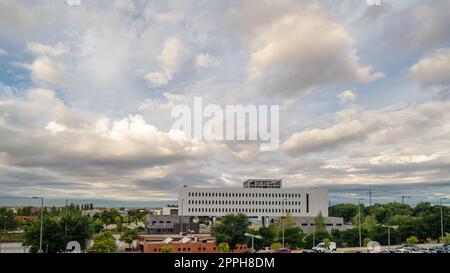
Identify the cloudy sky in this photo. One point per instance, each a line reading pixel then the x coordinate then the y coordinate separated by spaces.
pixel 86 94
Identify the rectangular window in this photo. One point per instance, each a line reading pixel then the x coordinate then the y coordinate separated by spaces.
pixel 307 203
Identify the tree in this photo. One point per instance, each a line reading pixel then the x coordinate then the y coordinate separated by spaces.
pixel 346 211
pixel 276 246
pixel 366 241
pixel 351 236
pixel 76 227
pixel 71 225
pixel 231 230
pixel 167 249
pixel 412 240
pixel 319 223
pixel 103 243
pixel 52 236
pixel 319 236
pixel 128 236
pixel 446 239
pixel 7 217
pixel 223 247
pixel 268 235
pixel 294 237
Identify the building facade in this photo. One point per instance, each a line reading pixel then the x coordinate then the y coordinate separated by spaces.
pixel 264 202
pixel 170 224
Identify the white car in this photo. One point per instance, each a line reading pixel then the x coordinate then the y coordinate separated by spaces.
pixel 323 249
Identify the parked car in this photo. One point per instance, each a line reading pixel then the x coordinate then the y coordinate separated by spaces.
pixel 265 250
pixel 283 250
pixel 322 248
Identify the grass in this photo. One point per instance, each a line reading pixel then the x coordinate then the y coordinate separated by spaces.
pixel 11 238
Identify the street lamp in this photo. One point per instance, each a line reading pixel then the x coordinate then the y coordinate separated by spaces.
pixel 253 236
pixel 313 233
pixel 42 221
pixel 282 224
pixel 389 234
pixel 442 217
pixel 5 216
pixel 359 220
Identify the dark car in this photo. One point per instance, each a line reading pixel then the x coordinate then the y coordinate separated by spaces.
pixel 284 250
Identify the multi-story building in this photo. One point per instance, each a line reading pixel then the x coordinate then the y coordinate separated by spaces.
pixel 258 198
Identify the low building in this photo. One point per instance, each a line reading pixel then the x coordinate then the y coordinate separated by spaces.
pixel 26 218
pixel 307 223
pixel 195 243
pixel 170 224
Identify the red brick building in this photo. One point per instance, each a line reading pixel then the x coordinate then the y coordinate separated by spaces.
pixel 200 243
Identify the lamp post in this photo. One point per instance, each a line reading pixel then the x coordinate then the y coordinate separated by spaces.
pixel 404 197
pixel 313 233
pixel 253 236
pixel 442 217
pixel 5 216
pixel 42 221
pixel 359 220
pixel 181 225
pixel 389 234
pixel 282 223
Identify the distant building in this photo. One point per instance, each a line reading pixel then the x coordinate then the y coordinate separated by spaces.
pixel 307 223
pixel 26 218
pixel 258 198
pixel 262 183
pixel 170 224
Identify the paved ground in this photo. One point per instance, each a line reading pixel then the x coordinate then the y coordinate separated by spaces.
pixel 12 248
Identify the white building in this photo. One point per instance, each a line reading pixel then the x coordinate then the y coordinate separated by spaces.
pixel 254 202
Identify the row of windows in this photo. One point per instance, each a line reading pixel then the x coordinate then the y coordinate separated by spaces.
pixel 242 202
pixel 244 210
pixel 188 249
pixel 243 194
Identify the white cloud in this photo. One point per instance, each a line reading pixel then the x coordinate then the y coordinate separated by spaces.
pixel 429 120
pixel 301 49
pixel 48 70
pixel 55 128
pixel 171 57
pixel 3 52
pixel 433 69
pixel 346 96
pixel 205 60
pixel 43 49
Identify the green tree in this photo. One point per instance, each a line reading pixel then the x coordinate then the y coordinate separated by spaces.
pixel 52 236
pixel 446 239
pixel 103 243
pixel 128 236
pixel 71 225
pixel 167 249
pixel 319 223
pixel 76 226
pixel 294 237
pixel 276 246
pixel 231 230
pixel 346 211
pixel 223 247
pixel 412 240
pixel 7 217
pixel 268 235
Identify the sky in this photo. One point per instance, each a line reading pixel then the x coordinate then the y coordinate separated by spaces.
pixel 86 94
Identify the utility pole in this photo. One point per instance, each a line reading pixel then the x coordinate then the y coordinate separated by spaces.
pixel 370 198
pixel 5 223
pixel 442 217
pixel 282 224
pixel 404 197
pixel 359 220
pixel 42 222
